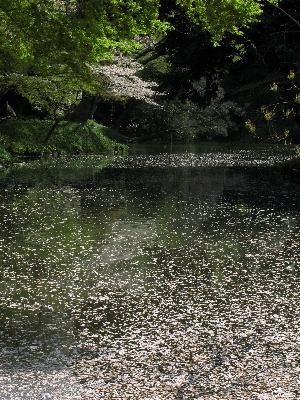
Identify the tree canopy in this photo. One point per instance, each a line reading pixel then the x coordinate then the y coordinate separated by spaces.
pixel 48 48
pixel 65 31
pixel 251 71
pixel 221 16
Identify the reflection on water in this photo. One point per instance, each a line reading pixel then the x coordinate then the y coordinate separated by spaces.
pixel 168 275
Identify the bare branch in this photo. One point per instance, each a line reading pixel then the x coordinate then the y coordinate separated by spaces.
pixel 285 13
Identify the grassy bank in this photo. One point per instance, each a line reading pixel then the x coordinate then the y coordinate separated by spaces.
pixel 27 138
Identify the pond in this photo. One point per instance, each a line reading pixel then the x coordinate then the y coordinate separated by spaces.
pixel 171 272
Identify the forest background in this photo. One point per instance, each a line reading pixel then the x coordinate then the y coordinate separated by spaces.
pixel 89 75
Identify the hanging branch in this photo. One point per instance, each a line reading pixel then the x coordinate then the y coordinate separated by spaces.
pixel 285 13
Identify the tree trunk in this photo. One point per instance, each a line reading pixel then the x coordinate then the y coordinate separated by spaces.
pixel 94 105
pixel 52 129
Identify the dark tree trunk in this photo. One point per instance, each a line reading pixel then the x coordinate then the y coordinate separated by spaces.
pixel 94 105
pixel 52 129
pixel 85 109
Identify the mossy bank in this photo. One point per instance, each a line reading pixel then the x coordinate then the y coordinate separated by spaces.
pixel 28 138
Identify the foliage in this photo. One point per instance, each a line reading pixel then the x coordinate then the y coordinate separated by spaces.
pixel 55 37
pixel 54 51
pixel 245 67
pixel 192 105
pixel 191 58
pixel 221 16
pixel 283 106
pixel 5 156
pixel 48 48
pixel 268 69
pixel 250 126
pixel 27 138
pixel 174 119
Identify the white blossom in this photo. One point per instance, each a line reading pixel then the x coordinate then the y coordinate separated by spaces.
pixel 122 73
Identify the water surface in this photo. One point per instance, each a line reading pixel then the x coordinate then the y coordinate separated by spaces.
pixel 169 273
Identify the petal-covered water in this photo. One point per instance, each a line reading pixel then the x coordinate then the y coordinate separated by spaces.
pixel 157 275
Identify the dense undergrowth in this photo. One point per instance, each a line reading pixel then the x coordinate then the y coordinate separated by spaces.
pixel 28 138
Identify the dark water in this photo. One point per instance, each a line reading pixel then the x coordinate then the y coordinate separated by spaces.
pixel 169 273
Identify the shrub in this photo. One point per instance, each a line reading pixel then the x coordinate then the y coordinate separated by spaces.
pixel 27 138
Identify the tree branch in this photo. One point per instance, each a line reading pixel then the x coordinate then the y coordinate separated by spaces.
pixel 7 12
pixel 285 13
